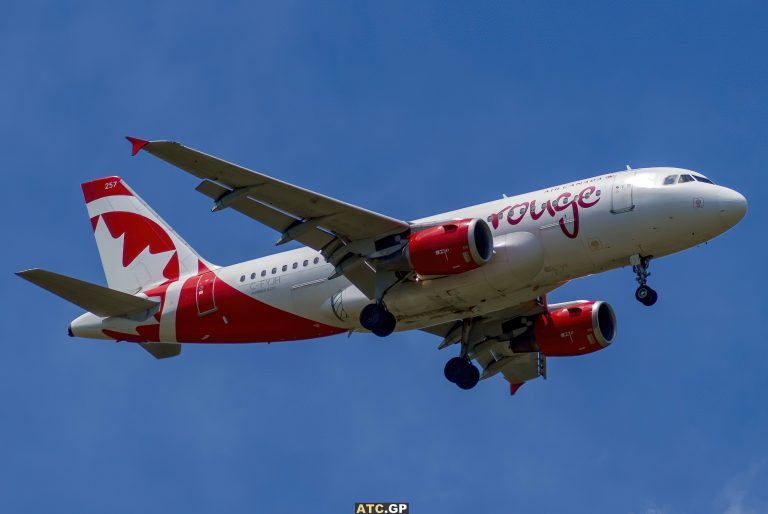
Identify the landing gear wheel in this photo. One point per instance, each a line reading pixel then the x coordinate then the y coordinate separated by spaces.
pixel 387 325
pixel 643 294
pixel 376 318
pixel 454 368
pixel 470 377
pixel 462 372
pixel 646 295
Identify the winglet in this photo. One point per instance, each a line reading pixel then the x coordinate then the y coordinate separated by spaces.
pixel 514 387
pixel 137 143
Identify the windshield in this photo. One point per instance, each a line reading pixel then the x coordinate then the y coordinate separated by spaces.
pixel 682 179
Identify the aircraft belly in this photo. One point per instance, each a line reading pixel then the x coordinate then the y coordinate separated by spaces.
pixel 430 302
pixel 518 258
pixel 564 258
pixel 311 291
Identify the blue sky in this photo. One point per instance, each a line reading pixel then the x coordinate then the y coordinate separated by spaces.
pixel 409 109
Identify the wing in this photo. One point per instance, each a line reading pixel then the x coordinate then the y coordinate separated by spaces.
pixel 494 342
pixel 344 233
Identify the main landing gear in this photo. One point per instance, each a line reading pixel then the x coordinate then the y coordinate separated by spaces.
pixel 462 372
pixel 644 294
pixel 376 318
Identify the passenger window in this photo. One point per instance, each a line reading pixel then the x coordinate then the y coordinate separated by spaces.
pixel 253 275
pixel 263 273
pixel 670 180
pixel 685 178
pixel 285 267
pixel 295 265
pixel 242 278
pixel 317 259
pixel 305 263
pixel 274 270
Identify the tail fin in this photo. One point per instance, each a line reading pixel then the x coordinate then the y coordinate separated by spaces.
pixel 137 248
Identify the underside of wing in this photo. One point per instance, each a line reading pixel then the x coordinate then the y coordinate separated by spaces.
pixel 489 341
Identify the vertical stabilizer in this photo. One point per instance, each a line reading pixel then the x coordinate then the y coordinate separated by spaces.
pixel 137 248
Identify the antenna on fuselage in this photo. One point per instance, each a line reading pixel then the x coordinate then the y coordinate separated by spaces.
pixel 629 168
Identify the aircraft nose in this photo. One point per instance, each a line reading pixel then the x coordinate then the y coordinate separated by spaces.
pixel 733 206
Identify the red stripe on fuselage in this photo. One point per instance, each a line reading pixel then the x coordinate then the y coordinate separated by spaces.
pixel 240 319
pixel 237 318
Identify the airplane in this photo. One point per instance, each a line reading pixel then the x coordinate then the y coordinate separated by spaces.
pixel 477 277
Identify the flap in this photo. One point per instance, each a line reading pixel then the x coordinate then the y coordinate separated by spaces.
pixel 489 344
pixel 313 238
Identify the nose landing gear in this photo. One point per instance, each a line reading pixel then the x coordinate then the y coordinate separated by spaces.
pixel 644 294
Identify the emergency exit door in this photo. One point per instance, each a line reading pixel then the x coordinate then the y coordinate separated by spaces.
pixel 206 301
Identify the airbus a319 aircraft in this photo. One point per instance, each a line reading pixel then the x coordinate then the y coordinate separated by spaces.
pixel 476 277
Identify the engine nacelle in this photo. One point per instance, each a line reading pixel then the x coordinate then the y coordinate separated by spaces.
pixel 575 329
pixel 451 248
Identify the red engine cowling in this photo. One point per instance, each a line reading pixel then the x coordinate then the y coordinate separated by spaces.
pixel 575 329
pixel 451 248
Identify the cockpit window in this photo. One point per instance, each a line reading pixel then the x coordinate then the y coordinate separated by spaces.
pixel 703 179
pixel 685 178
pixel 670 180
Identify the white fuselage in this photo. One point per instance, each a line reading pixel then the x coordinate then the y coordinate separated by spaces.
pixel 537 248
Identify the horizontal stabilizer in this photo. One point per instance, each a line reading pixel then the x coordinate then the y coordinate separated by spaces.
pixel 99 300
pixel 162 350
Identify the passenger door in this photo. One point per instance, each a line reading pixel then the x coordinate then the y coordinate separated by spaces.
pixel 622 199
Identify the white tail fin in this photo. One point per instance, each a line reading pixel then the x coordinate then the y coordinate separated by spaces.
pixel 137 248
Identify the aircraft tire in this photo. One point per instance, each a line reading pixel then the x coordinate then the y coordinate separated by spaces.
pixel 470 377
pixel 386 326
pixel 646 295
pixel 652 298
pixel 376 318
pixel 454 369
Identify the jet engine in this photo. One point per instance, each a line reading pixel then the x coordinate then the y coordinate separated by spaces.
pixel 450 248
pixel 575 328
